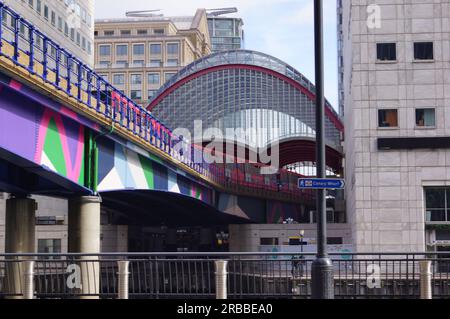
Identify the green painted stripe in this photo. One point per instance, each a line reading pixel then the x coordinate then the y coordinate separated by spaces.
pixel 146 165
pixel 53 148
pixel 155 159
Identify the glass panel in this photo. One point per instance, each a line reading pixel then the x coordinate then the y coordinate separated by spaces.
pixel 387 118
pixel 423 51
pixel 425 117
pixel 386 51
pixel 435 198
pixel 436 216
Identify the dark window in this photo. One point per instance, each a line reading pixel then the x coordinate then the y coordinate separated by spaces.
pixel 335 241
pixel 387 118
pixel 425 117
pixel 423 51
pixel 386 51
pixel 49 246
pixel 269 241
pixel 442 234
pixel 437 204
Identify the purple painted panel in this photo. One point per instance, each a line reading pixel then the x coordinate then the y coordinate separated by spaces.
pixel 18 124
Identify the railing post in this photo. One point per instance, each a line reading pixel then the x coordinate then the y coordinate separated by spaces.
pixel 99 94
pixel 31 39
pixel 89 86
pixel 426 291
pixel 80 80
pixel 28 279
pixel 69 75
pixel 221 279
pixel 1 26
pixel 124 276
pixel 45 57
pixel 16 38
pixel 57 67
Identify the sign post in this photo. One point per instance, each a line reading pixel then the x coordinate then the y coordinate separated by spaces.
pixel 322 283
pixel 320 183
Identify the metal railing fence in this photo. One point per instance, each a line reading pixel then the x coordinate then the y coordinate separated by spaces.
pixel 193 275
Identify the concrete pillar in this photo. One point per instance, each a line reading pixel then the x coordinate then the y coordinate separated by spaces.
pixel 20 232
pixel 84 238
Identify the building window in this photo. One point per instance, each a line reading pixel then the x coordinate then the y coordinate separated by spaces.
pixel 142 32
pixel 425 117
pixel 155 49
pixel 151 94
pixel 118 79
pixel 172 48
pixel 154 78
pixel 437 204
pixel 122 50
pixel 138 63
pixel 158 31
pixel 125 32
pixel 136 79
pixel 423 51
pixel 172 62
pixel 136 94
pixel 105 50
pixel 335 241
pixel 386 52
pixel 138 49
pixel 49 246
pixel 269 241
pixel 108 33
pixel 388 118
pixel 155 63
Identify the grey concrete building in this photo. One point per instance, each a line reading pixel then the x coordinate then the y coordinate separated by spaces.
pixel 394 69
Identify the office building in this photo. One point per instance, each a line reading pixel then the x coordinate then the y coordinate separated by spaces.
pixel 226 33
pixel 70 23
pixel 395 60
pixel 138 55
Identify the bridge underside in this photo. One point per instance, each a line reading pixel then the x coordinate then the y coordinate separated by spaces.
pixel 21 176
pixel 155 208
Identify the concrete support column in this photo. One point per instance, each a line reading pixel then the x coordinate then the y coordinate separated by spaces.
pixel 84 238
pixel 20 232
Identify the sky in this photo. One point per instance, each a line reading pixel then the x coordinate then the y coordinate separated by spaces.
pixel 281 28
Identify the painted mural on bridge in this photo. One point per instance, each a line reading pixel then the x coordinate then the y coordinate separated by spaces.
pixel 123 168
pixel 53 138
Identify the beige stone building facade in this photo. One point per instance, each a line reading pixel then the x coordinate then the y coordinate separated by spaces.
pixel 395 97
pixel 138 55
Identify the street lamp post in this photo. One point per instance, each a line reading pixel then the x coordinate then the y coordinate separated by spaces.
pixel 322 267
pixel 302 235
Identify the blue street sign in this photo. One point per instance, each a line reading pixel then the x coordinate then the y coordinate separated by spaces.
pixel 318 183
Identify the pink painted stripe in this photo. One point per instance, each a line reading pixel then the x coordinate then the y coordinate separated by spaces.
pixel 15 85
pixel 73 173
